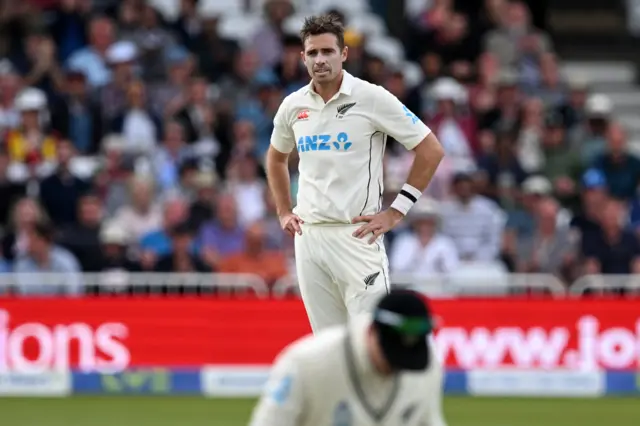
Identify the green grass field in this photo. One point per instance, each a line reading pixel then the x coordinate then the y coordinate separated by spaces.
pixel 177 411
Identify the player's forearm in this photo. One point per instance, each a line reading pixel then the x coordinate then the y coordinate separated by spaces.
pixel 279 180
pixel 428 155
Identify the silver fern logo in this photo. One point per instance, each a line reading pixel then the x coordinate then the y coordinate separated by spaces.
pixel 370 280
pixel 343 109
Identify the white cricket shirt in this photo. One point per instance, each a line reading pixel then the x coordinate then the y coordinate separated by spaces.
pixel 341 146
pixel 328 380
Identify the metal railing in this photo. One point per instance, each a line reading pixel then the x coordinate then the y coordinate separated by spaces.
pixel 436 286
pixel 457 285
pixel 629 285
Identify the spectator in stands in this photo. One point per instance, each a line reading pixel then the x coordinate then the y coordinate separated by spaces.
pixel 9 87
pixel 244 182
pixel 196 113
pixel 158 242
pixel 90 60
pixel 456 130
pixel 215 53
pixel 204 186
pixel 235 88
pixel 167 95
pixel 255 258
pixel 520 224
pixel 289 70
pixel 500 173
pixel 457 47
pixel 224 235
pixel 551 248
pixel 60 192
pixel 140 127
pixel 614 249
pixel 170 155
pixel 482 94
pixel 24 215
pixel 621 168
pixel 562 165
pixel 121 58
pixel 153 41
pixel 268 40
pixel 68 26
pixel 31 142
pixel 594 195
pixel 82 238
pixel 261 109
pixel 593 138
pixel 506 113
pixel 529 144
pixel 573 110
pixel 516 38
pixel 551 88
pixel 114 173
pixel 181 258
pixel 78 117
pixel 423 251
pixel 114 242
pixel 143 214
pixel 45 268
pixel 473 222
pixel 39 66
pixel 10 191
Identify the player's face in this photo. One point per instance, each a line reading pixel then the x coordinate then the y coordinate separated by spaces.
pixel 323 57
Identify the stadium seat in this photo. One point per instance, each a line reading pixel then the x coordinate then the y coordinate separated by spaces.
pixel 293 24
pixel 388 49
pixel 257 6
pixel 239 27
pixel 220 7
pixel 368 24
pixel 170 9
pixel 413 75
pixel 351 8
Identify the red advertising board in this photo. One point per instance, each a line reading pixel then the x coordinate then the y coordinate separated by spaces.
pixel 94 334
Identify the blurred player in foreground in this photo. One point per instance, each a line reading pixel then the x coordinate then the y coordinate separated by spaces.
pixel 379 370
pixel 339 126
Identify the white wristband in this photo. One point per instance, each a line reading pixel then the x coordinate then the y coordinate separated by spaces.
pixel 406 198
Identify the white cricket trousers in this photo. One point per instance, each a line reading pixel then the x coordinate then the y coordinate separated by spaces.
pixel 340 276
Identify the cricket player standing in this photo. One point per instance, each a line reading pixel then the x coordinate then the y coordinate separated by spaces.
pixel 339 126
pixel 380 370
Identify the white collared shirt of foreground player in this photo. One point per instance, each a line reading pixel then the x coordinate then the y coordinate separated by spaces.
pixel 311 385
pixel 342 178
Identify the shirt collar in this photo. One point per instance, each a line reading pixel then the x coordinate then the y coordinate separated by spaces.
pixel 345 88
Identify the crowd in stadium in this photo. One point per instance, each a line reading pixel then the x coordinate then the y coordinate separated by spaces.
pixel 135 141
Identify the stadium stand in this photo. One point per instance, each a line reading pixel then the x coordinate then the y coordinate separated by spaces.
pixel 133 135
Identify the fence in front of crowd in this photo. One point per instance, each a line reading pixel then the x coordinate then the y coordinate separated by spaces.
pixel 464 283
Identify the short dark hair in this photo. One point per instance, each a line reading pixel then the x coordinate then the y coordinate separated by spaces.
pixel 323 24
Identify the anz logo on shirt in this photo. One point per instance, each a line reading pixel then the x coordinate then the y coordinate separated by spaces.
pixel 311 143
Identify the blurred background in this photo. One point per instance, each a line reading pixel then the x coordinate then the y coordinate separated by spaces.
pixel 133 134
pixel 132 138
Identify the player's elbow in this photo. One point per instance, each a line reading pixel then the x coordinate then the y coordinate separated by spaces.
pixel 275 157
pixel 430 149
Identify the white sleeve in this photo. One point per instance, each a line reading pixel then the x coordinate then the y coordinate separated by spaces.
pixel 393 118
pixel 282 400
pixel 282 138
